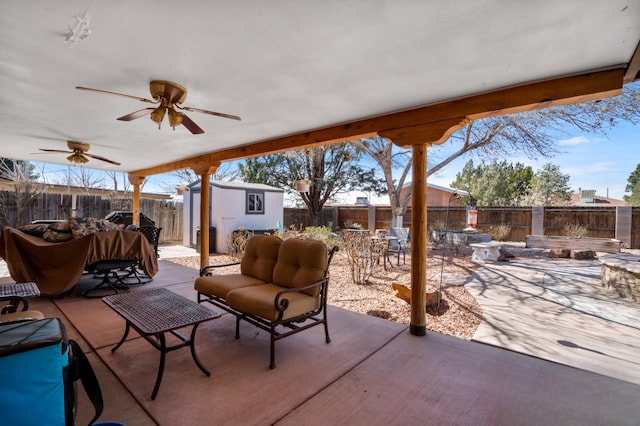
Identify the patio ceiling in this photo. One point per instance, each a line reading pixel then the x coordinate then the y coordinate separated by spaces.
pixel 298 73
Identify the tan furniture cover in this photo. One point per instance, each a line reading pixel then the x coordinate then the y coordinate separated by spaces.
pixel 57 267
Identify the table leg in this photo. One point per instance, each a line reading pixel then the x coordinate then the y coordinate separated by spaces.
pixel 124 337
pixel 193 351
pixel 163 352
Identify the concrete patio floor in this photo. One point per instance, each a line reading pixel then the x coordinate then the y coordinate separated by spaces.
pixel 373 372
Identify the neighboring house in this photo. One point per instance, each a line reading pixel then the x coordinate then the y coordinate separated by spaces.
pixel 588 198
pixel 438 196
pixel 234 205
pixel 8 185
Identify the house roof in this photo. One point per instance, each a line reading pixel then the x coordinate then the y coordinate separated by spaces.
pixel 596 201
pixel 297 73
pixel 238 185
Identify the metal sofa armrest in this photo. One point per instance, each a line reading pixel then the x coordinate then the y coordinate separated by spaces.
pixel 207 269
pixel 281 303
pixel 14 304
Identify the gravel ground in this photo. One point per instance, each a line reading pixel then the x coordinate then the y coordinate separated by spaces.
pixel 457 315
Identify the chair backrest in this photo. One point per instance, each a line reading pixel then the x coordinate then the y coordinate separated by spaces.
pixel 300 263
pixel 260 257
pixel 152 234
pixel 401 238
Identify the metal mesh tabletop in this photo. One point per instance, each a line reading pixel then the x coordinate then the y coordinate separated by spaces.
pixel 19 289
pixel 158 310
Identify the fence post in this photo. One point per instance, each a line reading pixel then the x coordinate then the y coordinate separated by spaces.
pixel 623 225
pixel 371 219
pixel 537 220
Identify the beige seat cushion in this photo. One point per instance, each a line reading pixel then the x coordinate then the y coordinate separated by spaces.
pixel 260 301
pixel 260 256
pixel 300 262
pixel 220 285
pixel 30 314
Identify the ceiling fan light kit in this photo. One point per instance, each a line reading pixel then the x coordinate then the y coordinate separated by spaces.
pixel 168 95
pixel 79 154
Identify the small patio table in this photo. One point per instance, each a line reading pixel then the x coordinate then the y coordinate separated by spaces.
pixel 154 312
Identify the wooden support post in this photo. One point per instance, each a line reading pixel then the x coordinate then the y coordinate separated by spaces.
pixel 419 241
pixel 205 202
pixel 136 181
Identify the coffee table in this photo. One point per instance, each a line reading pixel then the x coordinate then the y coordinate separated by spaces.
pixel 154 312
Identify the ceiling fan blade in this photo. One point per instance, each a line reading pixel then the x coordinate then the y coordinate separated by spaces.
pixel 191 125
pixel 204 111
pixel 117 94
pixel 136 114
pixel 55 150
pixel 97 157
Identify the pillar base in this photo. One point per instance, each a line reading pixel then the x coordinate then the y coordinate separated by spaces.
pixel 417 330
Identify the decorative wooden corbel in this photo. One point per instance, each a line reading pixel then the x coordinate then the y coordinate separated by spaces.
pixel 436 132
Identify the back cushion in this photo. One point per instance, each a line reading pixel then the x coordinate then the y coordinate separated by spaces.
pixel 300 262
pixel 260 256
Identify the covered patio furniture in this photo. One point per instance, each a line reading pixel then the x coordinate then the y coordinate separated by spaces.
pixel 57 267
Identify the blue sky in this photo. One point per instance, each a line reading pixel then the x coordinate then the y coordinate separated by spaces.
pixel 592 160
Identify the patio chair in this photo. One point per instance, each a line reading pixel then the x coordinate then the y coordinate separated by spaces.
pixel 152 234
pixel 398 244
pixel 17 308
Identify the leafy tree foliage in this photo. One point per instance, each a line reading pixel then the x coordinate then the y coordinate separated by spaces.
pixel 330 169
pixel 633 186
pixel 550 187
pixel 494 184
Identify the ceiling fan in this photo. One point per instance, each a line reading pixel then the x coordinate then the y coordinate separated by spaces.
pixel 79 154
pixel 168 96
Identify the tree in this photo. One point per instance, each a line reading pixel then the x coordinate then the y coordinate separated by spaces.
pixel 550 187
pixel 16 205
pixel 633 186
pixel 532 133
pixel 389 157
pixel 226 172
pixel 82 178
pixel 494 184
pixel 330 169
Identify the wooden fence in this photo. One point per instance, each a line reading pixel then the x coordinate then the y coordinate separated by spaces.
pixel 600 222
pixel 16 212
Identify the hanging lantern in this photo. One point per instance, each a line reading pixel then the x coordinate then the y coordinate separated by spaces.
pixel 302 185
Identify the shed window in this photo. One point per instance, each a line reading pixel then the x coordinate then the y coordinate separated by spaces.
pixel 255 202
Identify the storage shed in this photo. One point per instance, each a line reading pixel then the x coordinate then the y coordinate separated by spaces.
pixel 234 205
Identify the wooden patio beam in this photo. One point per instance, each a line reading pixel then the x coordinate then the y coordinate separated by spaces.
pixel 564 90
pixel 632 72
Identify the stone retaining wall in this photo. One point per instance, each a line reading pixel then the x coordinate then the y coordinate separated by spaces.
pixel 621 272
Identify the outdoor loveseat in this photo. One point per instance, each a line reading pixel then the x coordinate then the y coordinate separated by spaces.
pixel 281 287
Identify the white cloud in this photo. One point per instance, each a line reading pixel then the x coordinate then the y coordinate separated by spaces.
pixel 576 140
